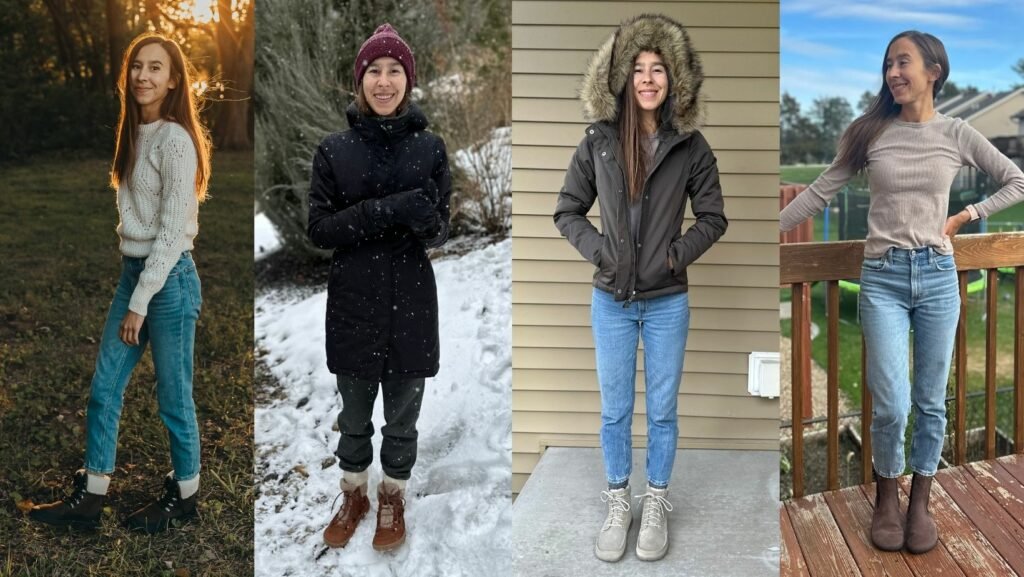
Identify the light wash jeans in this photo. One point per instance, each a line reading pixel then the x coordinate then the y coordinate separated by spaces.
pixel 908 289
pixel 170 328
pixel 663 323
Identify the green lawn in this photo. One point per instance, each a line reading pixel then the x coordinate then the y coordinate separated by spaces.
pixel 59 268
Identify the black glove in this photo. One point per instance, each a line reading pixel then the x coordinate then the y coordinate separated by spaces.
pixel 431 192
pixel 409 208
pixel 427 228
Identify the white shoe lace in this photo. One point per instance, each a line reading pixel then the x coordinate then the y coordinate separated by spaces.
pixel 654 510
pixel 617 509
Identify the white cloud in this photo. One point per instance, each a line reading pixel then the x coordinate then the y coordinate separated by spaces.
pixel 790 44
pixel 896 11
pixel 806 84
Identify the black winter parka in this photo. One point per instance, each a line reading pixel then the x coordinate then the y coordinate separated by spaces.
pixel 382 320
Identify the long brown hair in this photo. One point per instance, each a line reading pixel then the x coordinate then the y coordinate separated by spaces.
pixel 632 136
pixel 179 106
pixel 853 146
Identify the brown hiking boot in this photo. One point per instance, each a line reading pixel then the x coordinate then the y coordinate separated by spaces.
pixel 353 508
pixel 886 521
pixel 921 532
pixel 390 518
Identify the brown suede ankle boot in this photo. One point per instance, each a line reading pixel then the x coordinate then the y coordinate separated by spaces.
pixel 887 522
pixel 921 532
pixel 390 517
pixel 354 507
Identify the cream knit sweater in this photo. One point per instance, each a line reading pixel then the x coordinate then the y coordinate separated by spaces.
pixel 158 207
pixel 911 166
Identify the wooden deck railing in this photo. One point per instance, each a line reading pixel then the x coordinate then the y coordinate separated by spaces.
pixel 804 263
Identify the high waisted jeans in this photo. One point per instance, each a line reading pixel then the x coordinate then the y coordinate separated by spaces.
pixel 170 328
pixel 908 289
pixel 663 323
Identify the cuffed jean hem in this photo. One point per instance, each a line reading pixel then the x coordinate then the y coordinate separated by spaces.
pixel 923 473
pixel 887 475
pixel 93 471
pixel 618 484
pixel 174 475
pixel 657 485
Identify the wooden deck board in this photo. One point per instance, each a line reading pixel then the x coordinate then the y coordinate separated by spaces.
pixel 1014 464
pixel 1005 534
pixel 978 508
pixel 1003 487
pixel 792 562
pixel 816 531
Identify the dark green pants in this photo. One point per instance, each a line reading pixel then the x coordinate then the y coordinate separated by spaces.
pixel 402 401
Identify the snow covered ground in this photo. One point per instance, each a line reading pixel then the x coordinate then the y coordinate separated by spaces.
pixel 458 513
pixel 265 239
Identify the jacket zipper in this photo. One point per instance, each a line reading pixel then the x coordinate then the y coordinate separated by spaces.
pixel 635 241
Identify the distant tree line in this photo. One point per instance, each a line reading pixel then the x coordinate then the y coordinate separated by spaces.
pixel 60 60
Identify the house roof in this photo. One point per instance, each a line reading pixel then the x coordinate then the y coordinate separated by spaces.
pixel 979 104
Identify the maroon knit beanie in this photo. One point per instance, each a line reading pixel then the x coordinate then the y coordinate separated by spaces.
pixel 385 42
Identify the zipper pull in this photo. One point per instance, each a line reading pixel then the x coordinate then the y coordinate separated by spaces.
pixel 629 301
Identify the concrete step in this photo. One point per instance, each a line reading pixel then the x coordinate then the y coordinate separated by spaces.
pixel 725 520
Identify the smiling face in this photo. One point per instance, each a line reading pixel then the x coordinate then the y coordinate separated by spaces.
pixel 383 85
pixel 151 79
pixel 906 74
pixel 650 81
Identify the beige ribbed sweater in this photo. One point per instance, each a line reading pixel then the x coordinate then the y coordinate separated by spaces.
pixel 158 207
pixel 911 166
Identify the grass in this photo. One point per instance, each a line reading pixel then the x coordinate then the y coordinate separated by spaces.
pixel 59 268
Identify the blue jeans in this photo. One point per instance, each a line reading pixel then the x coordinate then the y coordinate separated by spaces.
pixel 662 322
pixel 170 327
pixel 908 289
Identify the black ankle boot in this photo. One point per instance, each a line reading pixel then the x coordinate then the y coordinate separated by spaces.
pixel 79 510
pixel 157 516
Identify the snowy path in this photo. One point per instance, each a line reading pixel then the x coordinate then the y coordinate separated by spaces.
pixel 458 512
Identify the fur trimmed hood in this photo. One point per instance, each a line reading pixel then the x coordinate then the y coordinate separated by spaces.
pixel 610 68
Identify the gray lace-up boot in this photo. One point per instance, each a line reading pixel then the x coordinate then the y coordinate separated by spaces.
pixel 652 543
pixel 611 541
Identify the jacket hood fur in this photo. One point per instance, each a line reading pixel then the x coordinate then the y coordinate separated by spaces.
pixel 611 69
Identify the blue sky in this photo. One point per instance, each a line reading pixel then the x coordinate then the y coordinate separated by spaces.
pixel 835 47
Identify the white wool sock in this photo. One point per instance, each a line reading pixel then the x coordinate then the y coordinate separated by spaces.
pixel 96 484
pixel 400 483
pixel 357 479
pixel 188 488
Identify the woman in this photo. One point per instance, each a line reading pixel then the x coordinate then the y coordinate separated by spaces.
pixel 911 154
pixel 160 170
pixel 379 198
pixel 643 158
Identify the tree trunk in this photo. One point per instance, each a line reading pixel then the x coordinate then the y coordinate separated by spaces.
pixel 117 33
pixel 236 51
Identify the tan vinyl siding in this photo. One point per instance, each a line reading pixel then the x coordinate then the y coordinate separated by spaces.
pixel 734 287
